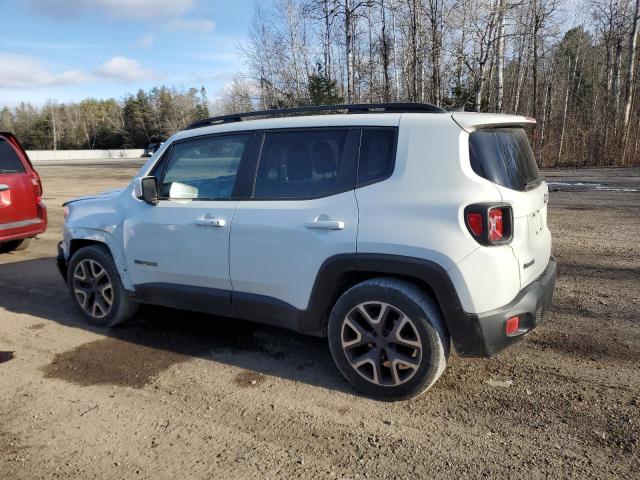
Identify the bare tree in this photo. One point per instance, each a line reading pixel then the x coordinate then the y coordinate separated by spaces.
pixel 506 56
pixel 500 44
pixel 631 69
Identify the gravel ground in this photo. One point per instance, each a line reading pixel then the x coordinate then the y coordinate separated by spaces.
pixel 178 395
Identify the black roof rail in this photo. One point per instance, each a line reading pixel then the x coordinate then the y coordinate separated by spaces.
pixel 350 108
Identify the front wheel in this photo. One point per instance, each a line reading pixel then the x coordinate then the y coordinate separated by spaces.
pixel 388 339
pixel 96 288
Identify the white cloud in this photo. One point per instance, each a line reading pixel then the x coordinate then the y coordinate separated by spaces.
pixel 127 9
pixel 25 72
pixel 123 69
pixel 21 71
pixel 191 25
pixel 168 13
pixel 146 41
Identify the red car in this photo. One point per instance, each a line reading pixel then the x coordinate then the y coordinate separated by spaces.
pixel 22 213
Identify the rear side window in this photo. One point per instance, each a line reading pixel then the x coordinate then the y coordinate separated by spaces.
pixel 306 164
pixel 204 168
pixel 377 154
pixel 504 156
pixel 9 160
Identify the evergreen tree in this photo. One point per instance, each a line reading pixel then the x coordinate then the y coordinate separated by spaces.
pixel 323 90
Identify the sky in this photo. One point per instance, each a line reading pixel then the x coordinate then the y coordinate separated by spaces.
pixel 68 50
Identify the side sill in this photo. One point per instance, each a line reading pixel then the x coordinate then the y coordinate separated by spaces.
pixel 185 297
pixel 220 302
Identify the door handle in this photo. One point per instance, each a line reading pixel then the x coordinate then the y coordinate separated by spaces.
pixel 4 187
pixel 325 224
pixel 210 222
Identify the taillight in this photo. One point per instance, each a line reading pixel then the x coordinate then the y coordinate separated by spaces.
pixel 496 224
pixel 37 186
pixel 474 221
pixel 489 223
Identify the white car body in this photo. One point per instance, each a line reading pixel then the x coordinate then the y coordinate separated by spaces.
pixel 265 252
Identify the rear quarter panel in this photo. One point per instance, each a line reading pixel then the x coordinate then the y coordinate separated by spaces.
pixel 419 212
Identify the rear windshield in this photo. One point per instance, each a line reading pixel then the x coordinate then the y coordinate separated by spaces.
pixel 9 161
pixel 504 156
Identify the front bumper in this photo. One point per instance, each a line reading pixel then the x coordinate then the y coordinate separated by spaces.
pixel 487 333
pixel 61 261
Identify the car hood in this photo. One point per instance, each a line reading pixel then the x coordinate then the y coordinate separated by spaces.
pixel 114 192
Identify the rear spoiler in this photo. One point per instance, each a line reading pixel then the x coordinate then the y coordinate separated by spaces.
pixel 470 121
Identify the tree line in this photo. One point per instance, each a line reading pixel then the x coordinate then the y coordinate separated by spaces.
pixel 578 78
pixel 571 65
pixel 134 122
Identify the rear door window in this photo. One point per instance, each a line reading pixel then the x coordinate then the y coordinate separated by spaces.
pixel 504 156
pixel 299 164
pixel 377 155
pixel 9 160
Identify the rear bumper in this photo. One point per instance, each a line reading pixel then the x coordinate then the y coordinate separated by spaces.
pixel 487 335
pixel 25 228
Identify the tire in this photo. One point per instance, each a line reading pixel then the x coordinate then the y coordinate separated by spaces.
pixel 15 245
pixel 388 321
pixel 93 276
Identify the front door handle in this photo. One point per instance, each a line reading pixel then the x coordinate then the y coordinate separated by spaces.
pixel 323 223
pixel 4 187
pixel 210 222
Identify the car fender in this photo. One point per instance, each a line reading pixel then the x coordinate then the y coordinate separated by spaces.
pixel 111 239
pixel 100 219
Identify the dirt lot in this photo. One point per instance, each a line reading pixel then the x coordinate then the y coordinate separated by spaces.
pixel 178 395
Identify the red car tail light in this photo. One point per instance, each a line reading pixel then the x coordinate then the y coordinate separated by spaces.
pixel 496 224
pixel 489 223
pixel 37 186
pixel 474 222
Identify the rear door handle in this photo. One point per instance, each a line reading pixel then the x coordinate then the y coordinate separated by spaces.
pixel 210 222
pixel 321 224
pixel 4 187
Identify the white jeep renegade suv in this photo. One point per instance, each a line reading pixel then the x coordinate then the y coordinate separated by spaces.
pixel 395 230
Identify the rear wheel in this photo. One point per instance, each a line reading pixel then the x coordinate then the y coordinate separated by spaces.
pixel 96 288
pixel 15 245
pixel 388 339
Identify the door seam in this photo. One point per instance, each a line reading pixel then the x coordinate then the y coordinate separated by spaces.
pixel 233 214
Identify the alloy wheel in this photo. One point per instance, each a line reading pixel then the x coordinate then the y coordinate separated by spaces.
pixel 381 343
pixel 92 288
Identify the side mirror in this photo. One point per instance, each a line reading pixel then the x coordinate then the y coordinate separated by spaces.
pixel 147 189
